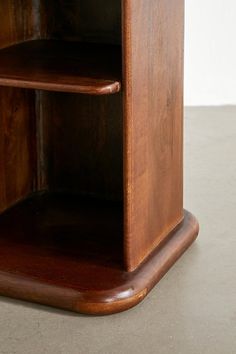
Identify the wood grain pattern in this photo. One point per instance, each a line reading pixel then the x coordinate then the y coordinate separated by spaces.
pixel 62 66
pixel 82 68
pixel 83 144
pixel 50 255
pixel 104 220
pixel 79 20
pixel 17 146
pixel 17 113
pixel 153 114
pixel 19 21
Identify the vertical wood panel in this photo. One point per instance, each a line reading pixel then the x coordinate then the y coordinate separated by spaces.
pixel 19 22
pixel 90 20
pixel 83 143
pixel 153 75
pixel 17 145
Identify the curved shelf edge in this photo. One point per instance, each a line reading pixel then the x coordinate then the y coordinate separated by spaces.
pixel 98 88
pixel 62 66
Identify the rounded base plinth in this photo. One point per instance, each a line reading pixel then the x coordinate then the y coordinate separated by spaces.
pixel 90 288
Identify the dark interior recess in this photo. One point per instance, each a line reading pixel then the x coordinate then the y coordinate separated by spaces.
pixel 64 144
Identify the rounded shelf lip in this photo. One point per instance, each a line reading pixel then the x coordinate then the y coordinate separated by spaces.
pixel 141 281
pixel 62 66
pixel 125 291
pixel 98 89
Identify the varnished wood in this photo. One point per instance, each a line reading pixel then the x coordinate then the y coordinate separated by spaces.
pixel 50 254
pixel 79 20
pixel 97 178
pixel 81 67
pixel 19 21
pixel 153 116
pixel 17 146
pixel 18 175
pixel 62 66
pixel 83 151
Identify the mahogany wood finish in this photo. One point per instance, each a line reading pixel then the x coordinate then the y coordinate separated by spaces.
pixel 91 177
pixel 88 21
pixel 17 112
pixel 62 66
pixel 54 257
pixel 153 78
pixel 94 165
pixel 17 146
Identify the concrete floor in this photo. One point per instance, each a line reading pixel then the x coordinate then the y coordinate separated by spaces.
pixel 193 309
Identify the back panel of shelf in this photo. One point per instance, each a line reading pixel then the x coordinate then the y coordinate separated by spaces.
pixel 82 20
pixel 76 20
pixel 81 149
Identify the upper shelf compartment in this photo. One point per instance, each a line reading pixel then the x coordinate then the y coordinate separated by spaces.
pixel 66 66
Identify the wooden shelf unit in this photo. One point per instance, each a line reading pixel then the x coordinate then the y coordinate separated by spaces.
pixel 91 151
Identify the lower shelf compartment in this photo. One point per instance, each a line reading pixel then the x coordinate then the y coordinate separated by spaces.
pixel 68 253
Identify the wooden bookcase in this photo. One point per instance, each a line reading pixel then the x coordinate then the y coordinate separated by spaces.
pixel 91 150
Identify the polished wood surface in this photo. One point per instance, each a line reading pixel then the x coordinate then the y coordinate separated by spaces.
pixel 19 21
pixel 18 156
pixel 79 20
pixel 82 145
pixel 62 66
pixel 74 20
pixel 67 252
pixel 17 146
pixel 153 119
pixel 91 183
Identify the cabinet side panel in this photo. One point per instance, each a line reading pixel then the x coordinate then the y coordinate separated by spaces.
pixel 153 123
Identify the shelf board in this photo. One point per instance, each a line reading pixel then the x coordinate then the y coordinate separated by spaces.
pixel 68 252
pixel 62 66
